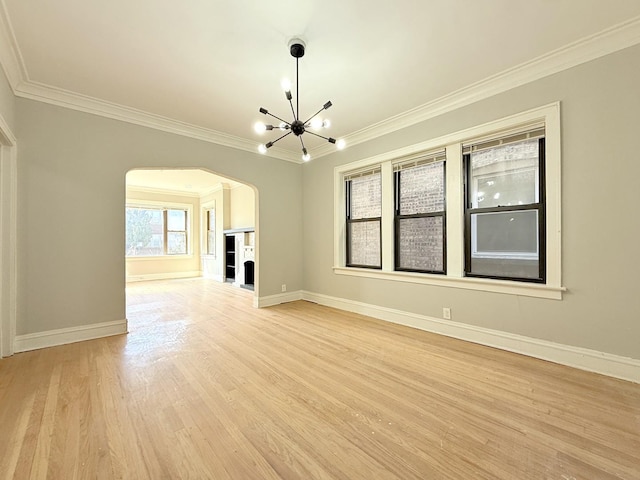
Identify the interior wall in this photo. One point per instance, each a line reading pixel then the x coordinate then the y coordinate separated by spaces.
pixel 8 244
pixel 139 268
pixel 242 207
pixel 600 109
pixel 71 187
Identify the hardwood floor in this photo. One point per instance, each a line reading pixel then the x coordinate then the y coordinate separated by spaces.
pixel 207 387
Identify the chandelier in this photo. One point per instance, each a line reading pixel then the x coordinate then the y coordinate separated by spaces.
pixel 297 126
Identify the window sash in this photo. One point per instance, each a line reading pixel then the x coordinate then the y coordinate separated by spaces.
pixel 350 253
pixel 351 222
pixel 397 243
pixel 398 217
pixel 175 233
pixel 471 234
pixel 211 230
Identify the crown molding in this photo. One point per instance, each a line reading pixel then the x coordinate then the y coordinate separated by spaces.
pixel 223 186
pixel 603 43
pixel 63 98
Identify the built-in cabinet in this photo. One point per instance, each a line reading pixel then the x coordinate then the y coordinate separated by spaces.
pixel 239 247
pixel 230 257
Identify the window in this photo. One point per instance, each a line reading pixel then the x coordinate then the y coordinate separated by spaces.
pixel 176 232
pixel 505 213
pixel 488 218
pixel 420 215
pixel 211 231
pixel 155 231
pixel 364 211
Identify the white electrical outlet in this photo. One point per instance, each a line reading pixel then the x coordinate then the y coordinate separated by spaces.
pixel 284 287
pixel 446 313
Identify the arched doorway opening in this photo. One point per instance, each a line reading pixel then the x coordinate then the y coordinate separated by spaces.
pixel 180 224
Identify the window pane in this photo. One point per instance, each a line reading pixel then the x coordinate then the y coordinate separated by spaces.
pixel 176 243
pixel 211 231
pixel 176 220
pixel 366 197
pixel 422 189
pixel 420 243
pixel 505 175
pixel 211 243
pixel 364 238
pixel 505 244
pixel 144 232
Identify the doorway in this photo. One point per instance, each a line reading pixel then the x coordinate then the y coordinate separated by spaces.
pixel 176 224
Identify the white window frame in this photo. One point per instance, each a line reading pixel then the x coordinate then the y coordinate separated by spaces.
pixel 155 205
pixel 549 115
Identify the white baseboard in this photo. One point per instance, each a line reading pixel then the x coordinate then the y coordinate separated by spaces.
pixel 271 300
pixel 52 338
pixel 163 276
pixel 577 357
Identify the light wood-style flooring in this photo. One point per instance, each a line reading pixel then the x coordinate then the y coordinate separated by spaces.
pixel 207 387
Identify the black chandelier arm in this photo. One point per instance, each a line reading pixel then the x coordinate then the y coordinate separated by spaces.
pixel 302 143
pixel 270 144
pixel 295 117
pixel 324 107
pixel 328 139
pixel 266 112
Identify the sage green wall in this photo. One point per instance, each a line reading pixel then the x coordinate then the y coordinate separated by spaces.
pixel 71 188
pixel 600 109
pixel 7 102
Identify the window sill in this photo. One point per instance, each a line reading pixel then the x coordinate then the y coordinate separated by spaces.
pixel 159 257
pixel 479 284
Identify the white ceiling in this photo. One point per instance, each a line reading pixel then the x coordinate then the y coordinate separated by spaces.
pixel 205 67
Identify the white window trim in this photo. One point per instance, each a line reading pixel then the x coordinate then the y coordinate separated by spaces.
pixel 153 204
pixel 452 143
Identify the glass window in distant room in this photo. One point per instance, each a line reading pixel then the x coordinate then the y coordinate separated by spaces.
pixel 155 231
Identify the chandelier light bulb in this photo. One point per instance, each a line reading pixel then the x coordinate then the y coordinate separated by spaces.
pixel 260 127
pixel 262 148
pixel 316 123
pixel 326 123
pixel 305 155
pixel 340 144
pixel 285 83
pixel 282 126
